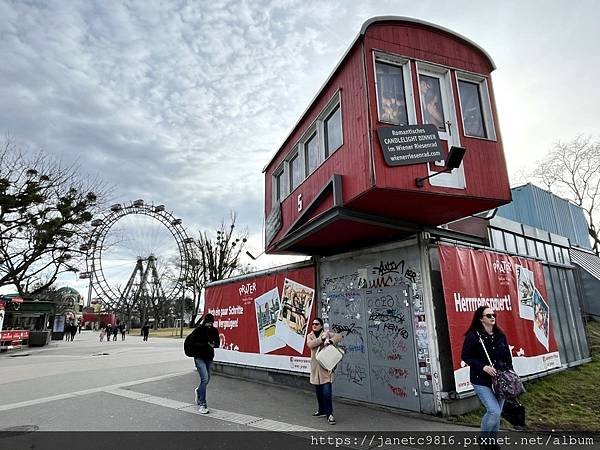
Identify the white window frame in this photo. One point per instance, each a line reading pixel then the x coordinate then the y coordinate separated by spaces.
pixel 316 128
pixel 308 134
pixel 456 178
pixel 409 92
pixel 279 172
pixel 486 104
pixel 334 102
pixel 295 152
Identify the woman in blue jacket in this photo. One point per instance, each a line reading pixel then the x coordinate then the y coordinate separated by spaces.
pixel 484 329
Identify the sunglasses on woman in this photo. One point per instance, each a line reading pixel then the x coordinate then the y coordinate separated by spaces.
pixel 490 316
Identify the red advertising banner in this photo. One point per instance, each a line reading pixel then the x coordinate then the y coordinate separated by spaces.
pixel 263 321
pixel 513 287
pixel 16 335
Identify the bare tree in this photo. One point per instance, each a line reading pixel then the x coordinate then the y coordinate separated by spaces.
pixel 216 259
pixel 572 170
pixel 44 209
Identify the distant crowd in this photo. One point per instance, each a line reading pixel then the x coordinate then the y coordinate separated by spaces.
pixel 71 329
pixel 110 330
pixel 107 331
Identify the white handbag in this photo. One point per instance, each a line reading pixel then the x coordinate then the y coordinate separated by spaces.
pixel 329 356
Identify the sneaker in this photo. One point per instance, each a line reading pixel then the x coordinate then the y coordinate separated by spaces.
pixel 196 396
pixel 331 419
pixel 203 410
pixel 318 414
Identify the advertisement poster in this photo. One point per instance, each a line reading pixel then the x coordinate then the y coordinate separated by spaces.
pixel 512 286
pixel 59 324
pixel 293 317
pixel 267 310
pixel 526 291
pixel 263 320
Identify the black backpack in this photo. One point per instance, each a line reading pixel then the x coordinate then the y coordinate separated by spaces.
pixel 188 344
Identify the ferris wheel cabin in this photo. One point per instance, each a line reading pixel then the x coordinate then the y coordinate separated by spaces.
pixel 368 160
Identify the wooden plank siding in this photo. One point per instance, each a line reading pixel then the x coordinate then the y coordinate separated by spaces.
pixel 484 163
pixel 369 185
pixel 351 160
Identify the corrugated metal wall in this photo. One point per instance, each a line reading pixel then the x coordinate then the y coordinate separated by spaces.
pixel 541 209
pixel 564 305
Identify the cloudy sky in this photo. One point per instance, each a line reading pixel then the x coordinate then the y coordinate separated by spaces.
pixel 184 102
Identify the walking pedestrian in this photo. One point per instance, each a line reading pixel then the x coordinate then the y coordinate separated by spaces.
pixel 123 329
pixel 108 332
pixel 115 332
pixel 200 344
pixel 146 331
pixel 320 377
pixel 485 331
pixel 102 333
pixel 73 331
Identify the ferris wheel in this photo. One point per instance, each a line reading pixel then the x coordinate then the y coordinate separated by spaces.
pixel 138 256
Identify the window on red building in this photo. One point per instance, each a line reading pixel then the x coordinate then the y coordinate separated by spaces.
pixel 311 154
pixel 333 131
pixel 295 172
pixel 475 106
pixel 391 93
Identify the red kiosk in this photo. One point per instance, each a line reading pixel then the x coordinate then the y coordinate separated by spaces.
pixel 402 138
pixel 347 173
pixel 11 339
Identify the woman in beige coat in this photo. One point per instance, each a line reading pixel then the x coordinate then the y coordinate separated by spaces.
pixel 320 377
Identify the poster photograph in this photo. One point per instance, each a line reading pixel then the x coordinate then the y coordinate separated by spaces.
pixel 526 288
pixel 263 319
pixel 296 303
pixel 514 288
pixel 541 321
pixel 267 309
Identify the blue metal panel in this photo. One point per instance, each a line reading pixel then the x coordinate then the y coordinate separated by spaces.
pixel 564 219
pixel 544 208
pixel 524 205
pixel 541 209
pixel 580 225
pixel 509 211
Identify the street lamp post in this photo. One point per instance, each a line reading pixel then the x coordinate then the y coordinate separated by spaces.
pixel 182 313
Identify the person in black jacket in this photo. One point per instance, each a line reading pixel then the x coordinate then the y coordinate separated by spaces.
pixel 204 339
pixel 145 331
pixel 485 331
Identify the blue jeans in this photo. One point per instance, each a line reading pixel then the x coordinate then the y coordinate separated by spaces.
pixel 490 422
pixel 324 398
pixel 203 368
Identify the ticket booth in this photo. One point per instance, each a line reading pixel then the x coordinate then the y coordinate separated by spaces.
pixel 368 161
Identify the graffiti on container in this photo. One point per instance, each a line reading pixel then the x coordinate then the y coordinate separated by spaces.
pixel 354 348
pixel 353 373
pixel 388 374
pixel 345 305
pixel 397 391
pixel 387 341
pixel 392 273
pixel 387 267
pixel 411 275
pixel 386 316
pixel 347 329
pixel 384 301
pixel 343 283
pixel 353 341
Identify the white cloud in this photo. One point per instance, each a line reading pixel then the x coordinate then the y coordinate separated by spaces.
pixel 183 103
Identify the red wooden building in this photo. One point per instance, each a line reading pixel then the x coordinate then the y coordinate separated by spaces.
pixel 329 187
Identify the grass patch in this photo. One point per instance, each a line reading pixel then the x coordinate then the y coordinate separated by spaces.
pixel 565 401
